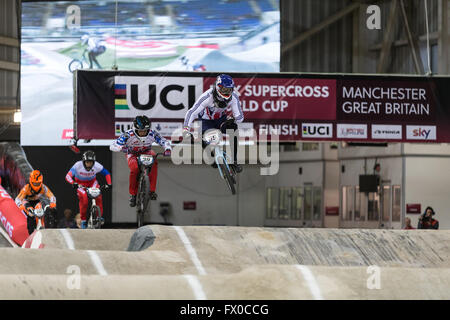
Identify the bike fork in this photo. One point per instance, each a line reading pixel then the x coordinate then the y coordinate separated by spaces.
pixel 219 158
pixel 90 218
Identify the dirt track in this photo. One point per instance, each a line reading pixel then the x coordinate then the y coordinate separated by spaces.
pixel 4 243
pixel 230 263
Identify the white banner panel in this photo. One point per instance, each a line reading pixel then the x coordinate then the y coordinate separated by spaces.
pixel 386 132
pixel 156 97
pixel 352 131
pixel 421 132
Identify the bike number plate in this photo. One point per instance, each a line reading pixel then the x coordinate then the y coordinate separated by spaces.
pixel 146 160
pixel 212 137
pixel 94 192
pixel 39 212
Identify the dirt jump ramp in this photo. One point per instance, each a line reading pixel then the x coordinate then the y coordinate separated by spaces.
pixel 229 263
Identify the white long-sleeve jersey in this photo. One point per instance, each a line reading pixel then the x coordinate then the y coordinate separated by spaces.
pixel 205 108
pixel 93 45
pixel 128 142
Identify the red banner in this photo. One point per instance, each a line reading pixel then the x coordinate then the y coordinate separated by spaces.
pixel 413 208
pixel 332 211
pixel 12 218
pixel 285 98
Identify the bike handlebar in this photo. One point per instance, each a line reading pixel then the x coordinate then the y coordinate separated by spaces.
pixel 137 153
pixel 102 187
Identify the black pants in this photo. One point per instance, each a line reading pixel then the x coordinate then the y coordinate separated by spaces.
pixel 93 59
pixel 220 124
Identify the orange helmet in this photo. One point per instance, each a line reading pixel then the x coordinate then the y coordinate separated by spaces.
pixel 36 180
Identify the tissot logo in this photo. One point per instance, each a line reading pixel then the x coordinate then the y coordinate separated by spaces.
pixel 317 130
pixel 357 131
pixel 386 131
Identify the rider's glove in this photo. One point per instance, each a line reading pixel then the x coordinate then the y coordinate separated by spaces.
pixel 107 186
pixel 167 153
pixel 115 148
pixel 228 123
pixel 75 185
pixel 30 211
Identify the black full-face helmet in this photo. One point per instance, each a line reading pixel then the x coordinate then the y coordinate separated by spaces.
pixel 141 127
pixel 88 156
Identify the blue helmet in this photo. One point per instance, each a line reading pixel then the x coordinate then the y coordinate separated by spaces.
pixel 224 86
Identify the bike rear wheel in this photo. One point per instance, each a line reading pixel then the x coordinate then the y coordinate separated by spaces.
pixel 228 178
pixel 141 200
pixel 75 64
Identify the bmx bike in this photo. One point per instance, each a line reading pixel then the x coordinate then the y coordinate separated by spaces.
pixel 43 220
pixel 226 171
pixel 93 213
pixel 145 164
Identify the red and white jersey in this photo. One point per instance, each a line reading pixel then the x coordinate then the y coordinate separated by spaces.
pixel 205 108
pixel 79 174
pixel 131 144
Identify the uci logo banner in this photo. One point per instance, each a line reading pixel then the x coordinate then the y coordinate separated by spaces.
pixel 317 130
pixel 156 97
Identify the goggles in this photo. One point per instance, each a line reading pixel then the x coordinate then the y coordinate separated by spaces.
pixel 142 133
pixel 225 91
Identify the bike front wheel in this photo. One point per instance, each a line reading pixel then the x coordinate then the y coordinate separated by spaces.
pixel 141 200
pixel 75 64
pixel 94 220
pixel 228 178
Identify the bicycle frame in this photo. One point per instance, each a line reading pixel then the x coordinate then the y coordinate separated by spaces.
pixel 146 169
pixel 220 157
pixel 39 213
pixel 91 220
pixel 142 196
pixel 93 203
pixel 40 222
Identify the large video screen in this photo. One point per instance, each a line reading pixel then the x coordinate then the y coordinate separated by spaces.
pixel 59 37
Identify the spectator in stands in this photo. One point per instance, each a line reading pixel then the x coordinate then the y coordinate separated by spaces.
pixel 78 220
pixel 426 220
pixel 68 221
pixel 408 225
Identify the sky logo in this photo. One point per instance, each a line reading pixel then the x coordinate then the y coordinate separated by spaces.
pixel 421 132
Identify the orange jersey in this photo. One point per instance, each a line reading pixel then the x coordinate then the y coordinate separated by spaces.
pixel 28 194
